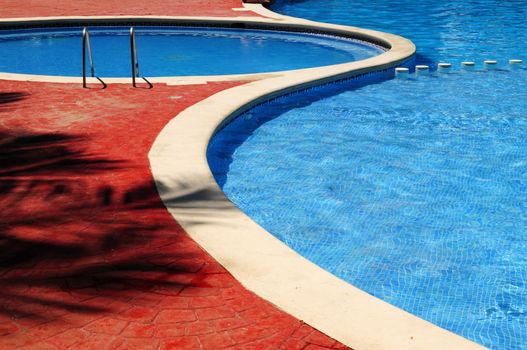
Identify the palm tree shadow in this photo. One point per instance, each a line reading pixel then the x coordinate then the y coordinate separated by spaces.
pixel 11 97
pixel 64 240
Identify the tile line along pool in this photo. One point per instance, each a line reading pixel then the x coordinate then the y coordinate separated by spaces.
pixel 412 190
pixel 174 51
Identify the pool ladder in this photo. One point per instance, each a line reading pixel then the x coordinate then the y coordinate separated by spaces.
pixel 86 43
pixel 133 53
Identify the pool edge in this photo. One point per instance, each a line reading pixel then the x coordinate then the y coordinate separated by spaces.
pixel 262 263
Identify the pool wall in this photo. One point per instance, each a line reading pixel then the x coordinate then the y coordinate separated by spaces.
pixel 257 259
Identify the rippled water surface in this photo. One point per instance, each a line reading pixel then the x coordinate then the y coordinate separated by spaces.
pixel 450 30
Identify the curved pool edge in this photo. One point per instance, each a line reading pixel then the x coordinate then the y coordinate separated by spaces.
pixel 261 262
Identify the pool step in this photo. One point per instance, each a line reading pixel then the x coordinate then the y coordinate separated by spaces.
pixel 445 67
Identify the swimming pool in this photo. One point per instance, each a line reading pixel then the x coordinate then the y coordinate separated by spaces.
pixel 425 209
pixel 173 51
pixel 412 190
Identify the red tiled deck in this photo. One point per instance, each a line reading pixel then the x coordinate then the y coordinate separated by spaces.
pixel 90 258
pixel 47 8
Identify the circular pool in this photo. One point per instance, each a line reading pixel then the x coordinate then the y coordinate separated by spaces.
pixel 174 51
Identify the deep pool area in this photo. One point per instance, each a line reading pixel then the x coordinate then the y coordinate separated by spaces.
pixel 451 30
pixel 173 51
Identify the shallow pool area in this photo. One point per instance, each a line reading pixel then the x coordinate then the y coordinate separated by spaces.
pixel 174 51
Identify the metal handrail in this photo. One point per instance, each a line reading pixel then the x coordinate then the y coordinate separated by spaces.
pixel 86 42
pixel 133 52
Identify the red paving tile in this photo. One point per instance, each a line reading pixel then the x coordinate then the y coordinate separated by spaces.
pixel 47 8
pixel 89 256
pixel 181 343
pixel 106 325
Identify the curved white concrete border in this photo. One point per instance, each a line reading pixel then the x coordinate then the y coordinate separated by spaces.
pixel 257 259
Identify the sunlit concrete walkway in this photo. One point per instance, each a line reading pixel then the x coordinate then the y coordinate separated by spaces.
pixel 89 256
pixel 47 8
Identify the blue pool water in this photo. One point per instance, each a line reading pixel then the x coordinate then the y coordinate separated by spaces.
pixel 449 30
pixel 172 51
pixel 412 190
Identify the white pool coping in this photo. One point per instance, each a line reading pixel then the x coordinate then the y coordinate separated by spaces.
pixel 262 263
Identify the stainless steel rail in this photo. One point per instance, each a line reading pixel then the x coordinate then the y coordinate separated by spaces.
pixel 86 42
pixel 133 53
